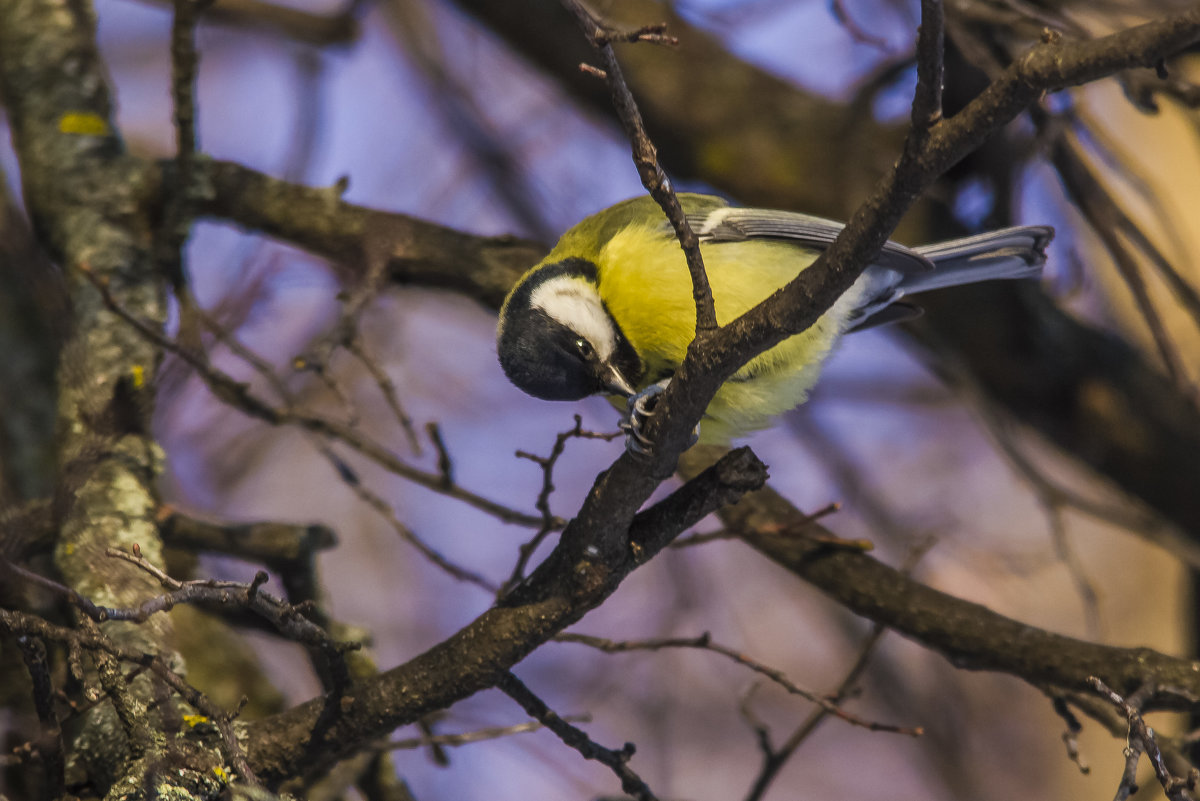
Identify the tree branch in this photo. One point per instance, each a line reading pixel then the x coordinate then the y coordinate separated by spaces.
pixel 339 727
pixel 558 593
pixel 316 219
pixel 1076 385
pixel 1049 66
pixel 645 155
pixel 969 635
pixel 616 761
pixel 80 188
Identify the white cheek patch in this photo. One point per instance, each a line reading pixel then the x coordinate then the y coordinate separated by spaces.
pixel 574 303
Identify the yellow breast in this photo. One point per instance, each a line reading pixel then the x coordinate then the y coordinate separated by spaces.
pixel 645 283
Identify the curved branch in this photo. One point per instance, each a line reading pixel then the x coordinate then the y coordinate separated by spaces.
pixel 1078 386
pixel 80 188
pixel 969 635
pixel 565 587
pixel 1049 66
pixel 317 219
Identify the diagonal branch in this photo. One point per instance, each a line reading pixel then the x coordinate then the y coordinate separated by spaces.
pixel 616 761
pixel 1049 66
pixel 927 99
pixel 969 635
pixel 558 593
pixel 645 155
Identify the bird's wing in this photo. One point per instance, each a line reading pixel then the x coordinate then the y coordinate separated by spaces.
pixel 734 224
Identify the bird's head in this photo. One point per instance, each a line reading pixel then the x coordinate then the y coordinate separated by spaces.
pixel 558 341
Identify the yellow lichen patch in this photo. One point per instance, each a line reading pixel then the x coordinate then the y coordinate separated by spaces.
pixel 83 123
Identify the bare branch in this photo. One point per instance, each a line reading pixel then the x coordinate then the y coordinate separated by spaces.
pixel 267 542
pixel 969 635
pixel 556 594
pixel 616 761
pixel 645 155
pixel 1070 736
pixel 49 743
pixel 177 216
pixel 335 28
pixel 384 509
pixel 478 735
pixel 927 99
pixel 705 643
pixel 387 388
pixel 550 522
pixel 1142 740
pixel 238 395
pixel 1049 66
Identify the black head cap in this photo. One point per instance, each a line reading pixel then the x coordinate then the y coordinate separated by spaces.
pixel 542 357
pixel 547 358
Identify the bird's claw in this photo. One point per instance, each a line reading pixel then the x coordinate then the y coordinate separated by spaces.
pixel 636 442
pixel 641 408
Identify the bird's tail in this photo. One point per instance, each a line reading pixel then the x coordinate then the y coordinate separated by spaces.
pixel 1007 253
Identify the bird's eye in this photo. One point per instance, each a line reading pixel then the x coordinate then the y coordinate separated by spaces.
pixel 584 348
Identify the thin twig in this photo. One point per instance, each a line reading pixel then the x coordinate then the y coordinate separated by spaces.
pixel 1070 736
pixel 775 758
pixel 645 155
pixel 1117 231
pixel 351 479
pixel 446 479
pixel 384 510
pixel 1053 500
pixel 848 476
pixel 227 388
pixel 856 31
pixel 927 98
pixel 616 761
pixel 222 719
pixel 477 736
pixel 140 736
pixel 49 742
pixel 445 465
pixel 1091 133
pixel 704 642
pixel 1142 740
pixel 387 388
pixel 286 618
pixel 550 522
pixel 238 394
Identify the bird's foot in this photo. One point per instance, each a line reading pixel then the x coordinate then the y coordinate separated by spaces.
pixel 641 408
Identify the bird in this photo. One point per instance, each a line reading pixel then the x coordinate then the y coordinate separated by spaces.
pixel 610 309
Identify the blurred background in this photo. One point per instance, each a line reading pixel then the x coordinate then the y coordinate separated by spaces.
pixel 471 114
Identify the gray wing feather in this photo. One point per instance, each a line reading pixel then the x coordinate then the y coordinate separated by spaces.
pixel 1007 253
pixel 733 224
pixel 898 270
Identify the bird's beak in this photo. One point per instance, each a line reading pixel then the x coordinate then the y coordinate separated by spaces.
pixel 614 382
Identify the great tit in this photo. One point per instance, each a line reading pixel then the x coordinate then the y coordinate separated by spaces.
pixel 610 309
